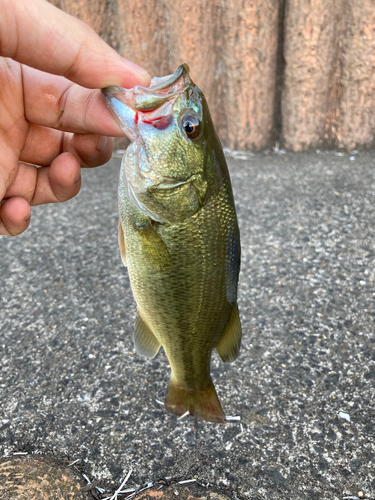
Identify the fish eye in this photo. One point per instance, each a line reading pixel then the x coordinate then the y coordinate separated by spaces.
pixel 190 124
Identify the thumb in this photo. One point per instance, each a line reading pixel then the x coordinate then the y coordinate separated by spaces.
pixel 36 33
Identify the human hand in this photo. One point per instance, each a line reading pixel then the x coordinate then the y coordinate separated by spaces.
pixel 48 115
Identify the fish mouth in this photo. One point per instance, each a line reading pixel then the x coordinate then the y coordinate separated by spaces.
pixel 161 90
pixel 158 83
pixel 152 104
pixel 163 82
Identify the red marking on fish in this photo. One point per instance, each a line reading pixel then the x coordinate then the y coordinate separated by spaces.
pixel 159 122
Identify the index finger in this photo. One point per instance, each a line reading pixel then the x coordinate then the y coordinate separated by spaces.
pixel 36 33
pixel 55 102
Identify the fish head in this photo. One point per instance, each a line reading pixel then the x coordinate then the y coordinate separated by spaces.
pixel 165 167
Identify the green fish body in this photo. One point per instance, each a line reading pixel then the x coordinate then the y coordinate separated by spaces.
pixel 179 236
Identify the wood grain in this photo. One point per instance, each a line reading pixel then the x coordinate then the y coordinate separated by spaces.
pixel 325 91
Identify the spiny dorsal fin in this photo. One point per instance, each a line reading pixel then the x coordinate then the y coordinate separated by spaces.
pixel 145 341
pixel 121 243
pixel 229 344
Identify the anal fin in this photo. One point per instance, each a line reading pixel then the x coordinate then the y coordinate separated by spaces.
pixel 145 341
pixel 121 243
pixel 229 344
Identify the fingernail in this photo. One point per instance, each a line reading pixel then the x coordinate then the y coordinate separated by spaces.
pixel 138 69
pixel 102 143
pixel 78 176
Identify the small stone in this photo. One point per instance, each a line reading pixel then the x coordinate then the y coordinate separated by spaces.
pixel 346 416
pixel 361 494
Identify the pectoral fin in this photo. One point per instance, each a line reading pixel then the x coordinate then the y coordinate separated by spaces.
pixel 229 344
pixel 121 243
pixel 154 249
pixel 145 341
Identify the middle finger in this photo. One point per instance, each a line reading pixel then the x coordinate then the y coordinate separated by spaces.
pixel 43 145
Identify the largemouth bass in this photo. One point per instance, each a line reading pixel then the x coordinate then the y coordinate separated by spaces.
pixel 178 236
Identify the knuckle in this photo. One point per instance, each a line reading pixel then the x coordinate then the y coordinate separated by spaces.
pixel 61 106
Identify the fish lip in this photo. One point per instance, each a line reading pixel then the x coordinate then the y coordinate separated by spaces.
pixel 182 70
pixel 147 99
pixel 112 90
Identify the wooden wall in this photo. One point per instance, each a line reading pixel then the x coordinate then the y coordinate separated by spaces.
pixel 301 72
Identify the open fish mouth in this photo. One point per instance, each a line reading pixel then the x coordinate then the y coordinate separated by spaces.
pixel 162 89
pixel 154 105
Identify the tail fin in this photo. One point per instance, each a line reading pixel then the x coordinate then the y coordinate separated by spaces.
pixel 203 404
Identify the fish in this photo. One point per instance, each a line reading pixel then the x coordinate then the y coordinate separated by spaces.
pixel 178 236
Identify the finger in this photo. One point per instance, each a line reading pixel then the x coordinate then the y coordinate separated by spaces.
pixel 59 182
pixel 8 165
pixel 14 216
pixel 55 102
pixel 43 145
pixel 38 34
pixel 92 150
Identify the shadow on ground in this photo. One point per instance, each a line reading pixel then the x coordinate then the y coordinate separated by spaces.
pixel 304 384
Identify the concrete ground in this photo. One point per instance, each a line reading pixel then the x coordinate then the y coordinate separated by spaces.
pixel 72 386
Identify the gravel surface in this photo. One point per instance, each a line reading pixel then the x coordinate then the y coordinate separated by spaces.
pixel 72 386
